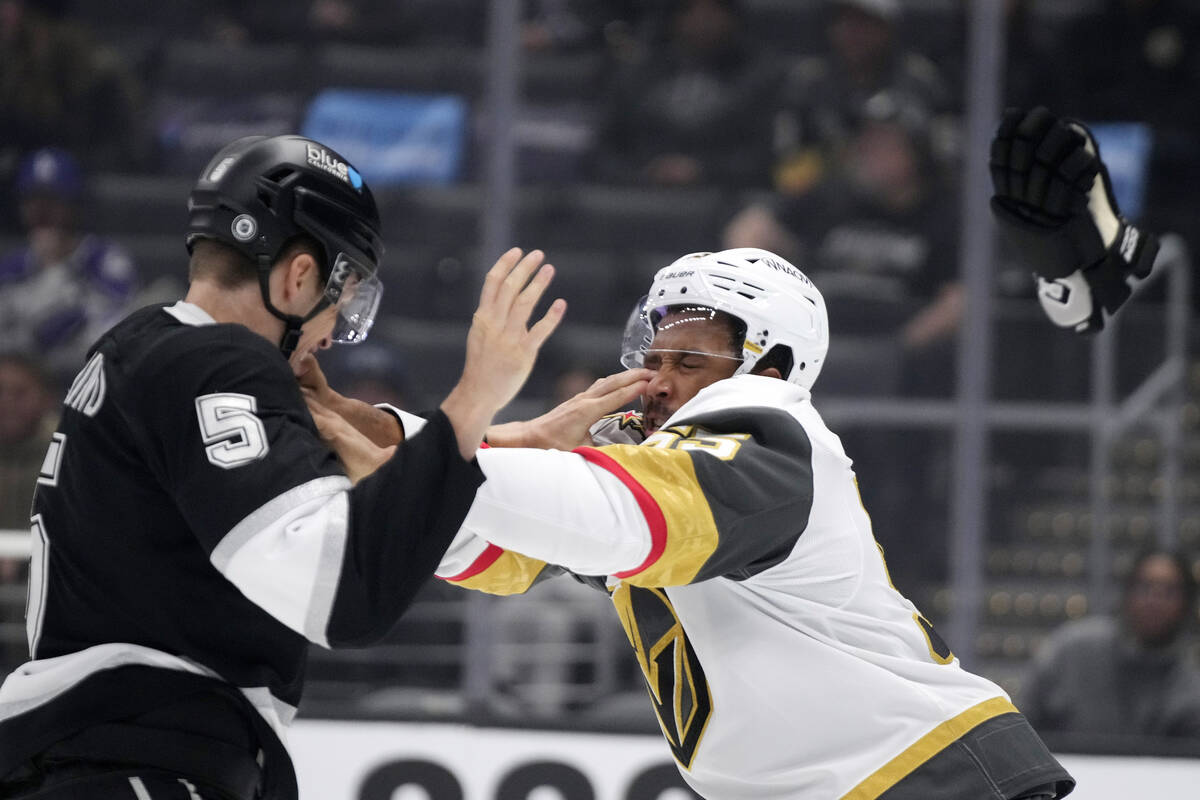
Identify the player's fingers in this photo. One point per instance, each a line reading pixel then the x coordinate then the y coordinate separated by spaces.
pixel 496 275
pixel 1027 137
pixel 618 397
pixel 545 326
pixel 617 381
pixel 522 307
pixel 1079 169
pixel 510 289
pixel 1033 126
pixel 1066 194
pixel 1009 121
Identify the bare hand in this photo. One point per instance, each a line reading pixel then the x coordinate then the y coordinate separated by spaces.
pixel 358 454
pixel 313 382
pixel 568 425
pixel 501 347
pixel 378 425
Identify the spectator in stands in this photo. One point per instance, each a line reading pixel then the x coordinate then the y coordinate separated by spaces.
pixel 557 25
pixel 879 234
pixel 1128 675
pixel 27 403
pixel 64 286
pixel 881 228
pixel 59 86
pixel 692 110
pixel 866 71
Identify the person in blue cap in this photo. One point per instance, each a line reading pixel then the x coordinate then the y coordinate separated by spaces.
pixel 63 286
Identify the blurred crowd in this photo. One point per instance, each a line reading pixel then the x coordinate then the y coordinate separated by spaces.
pixel 830 129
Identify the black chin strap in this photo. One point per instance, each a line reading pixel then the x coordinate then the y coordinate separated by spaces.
pixel 293 324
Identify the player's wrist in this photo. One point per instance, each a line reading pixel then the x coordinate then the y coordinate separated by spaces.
pixel 470 413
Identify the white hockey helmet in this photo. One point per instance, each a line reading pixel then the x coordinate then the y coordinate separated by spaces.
pixel 777 304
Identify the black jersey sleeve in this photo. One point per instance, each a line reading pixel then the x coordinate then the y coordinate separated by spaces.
pixel 271 505
pixel 403 517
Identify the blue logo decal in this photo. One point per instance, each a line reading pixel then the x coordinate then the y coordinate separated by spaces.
pixel 355 179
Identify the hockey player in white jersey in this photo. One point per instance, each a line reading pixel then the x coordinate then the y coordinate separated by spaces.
pixel 726 523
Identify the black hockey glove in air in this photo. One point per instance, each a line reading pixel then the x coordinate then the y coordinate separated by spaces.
pixel 1054 201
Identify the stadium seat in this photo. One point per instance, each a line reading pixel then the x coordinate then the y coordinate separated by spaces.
pixel 157 254
pixel 440 216
pixel 455 70
pixel 205 68
pixel 791 27
pixel 139 204
pixel 556 77
pixel 678 220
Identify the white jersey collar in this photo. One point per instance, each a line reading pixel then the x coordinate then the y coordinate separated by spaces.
pixel 190 314
pixel 741 390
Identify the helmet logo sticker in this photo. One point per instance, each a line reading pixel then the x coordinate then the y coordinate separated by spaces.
pixel 321 158
pixel 220 169
pixel 787 269
pixel 244 228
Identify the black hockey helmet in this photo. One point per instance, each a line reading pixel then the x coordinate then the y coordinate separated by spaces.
pixel 259 192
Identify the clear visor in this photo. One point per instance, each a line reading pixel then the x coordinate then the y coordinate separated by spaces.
pixel 354 290
pixel 639 336
pixel 639 333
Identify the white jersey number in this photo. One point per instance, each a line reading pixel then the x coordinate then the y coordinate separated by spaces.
pixel 234 435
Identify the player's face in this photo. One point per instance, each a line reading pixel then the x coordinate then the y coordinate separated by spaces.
pixel 690 351
pixel 315 335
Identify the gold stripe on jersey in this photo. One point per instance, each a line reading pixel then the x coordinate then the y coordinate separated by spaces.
pixel 511 573
pixel 691 532
pixel 927 747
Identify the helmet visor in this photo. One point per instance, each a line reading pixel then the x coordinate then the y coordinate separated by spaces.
pixel 354 289
pixel 639 335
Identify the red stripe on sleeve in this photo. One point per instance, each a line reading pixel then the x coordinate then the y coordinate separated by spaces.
pixel 646 502
pixel 481 562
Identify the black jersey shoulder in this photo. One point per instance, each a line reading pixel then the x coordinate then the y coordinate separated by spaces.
pixel 151 346
pixel 761 498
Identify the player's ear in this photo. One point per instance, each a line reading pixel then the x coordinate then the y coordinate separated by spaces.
pixel 302 274
pixel 771 372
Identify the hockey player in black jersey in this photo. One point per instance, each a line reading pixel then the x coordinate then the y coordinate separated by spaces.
pixel 192 534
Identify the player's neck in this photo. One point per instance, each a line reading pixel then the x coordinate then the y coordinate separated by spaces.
pixel 243 306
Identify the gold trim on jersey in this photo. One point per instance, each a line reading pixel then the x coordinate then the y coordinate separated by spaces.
pixel 669 477
pixel 511 573
pixel 935 642
pixel 927 747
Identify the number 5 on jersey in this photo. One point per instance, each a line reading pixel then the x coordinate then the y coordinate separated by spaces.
pixel 234 434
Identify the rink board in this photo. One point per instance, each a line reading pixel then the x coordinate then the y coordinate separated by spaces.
pixel 410 761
